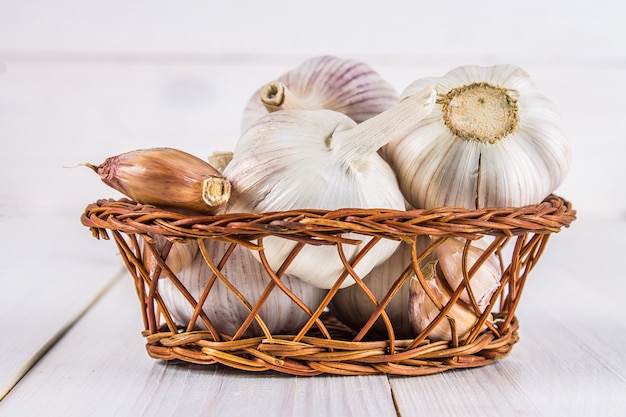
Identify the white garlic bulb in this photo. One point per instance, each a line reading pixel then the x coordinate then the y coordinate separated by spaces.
pixel 442 277
pixel 354 308
pixel 321 159
pixel 324 82
pixel 223 308
pixel 492 140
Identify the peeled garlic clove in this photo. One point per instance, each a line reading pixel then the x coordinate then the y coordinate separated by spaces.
pixel 423 309
pixel 167 178
pixel 492 140
pixel 225 311
pixel 324 82
pixel 354 308
pixel 483 283
pixel 321 159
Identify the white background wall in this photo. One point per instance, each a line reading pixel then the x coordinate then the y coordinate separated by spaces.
pixel 83 80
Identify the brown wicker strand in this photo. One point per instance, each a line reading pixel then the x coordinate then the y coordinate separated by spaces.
pixel 276 280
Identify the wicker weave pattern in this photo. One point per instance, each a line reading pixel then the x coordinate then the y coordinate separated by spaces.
pixel 323 344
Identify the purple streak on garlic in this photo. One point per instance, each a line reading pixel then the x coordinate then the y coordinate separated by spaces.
pixel 324 82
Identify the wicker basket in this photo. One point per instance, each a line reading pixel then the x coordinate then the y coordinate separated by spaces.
pixel 324 345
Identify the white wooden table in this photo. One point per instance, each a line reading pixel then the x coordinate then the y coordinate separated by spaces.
pixel 79 83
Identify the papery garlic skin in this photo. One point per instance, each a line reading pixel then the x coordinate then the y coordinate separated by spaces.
pixel 326 82
pixel 353 307
pixel 320 159
pixel 220 159
pixel 423 310
pixel 223 308
pixel 168 178
pixel 493 140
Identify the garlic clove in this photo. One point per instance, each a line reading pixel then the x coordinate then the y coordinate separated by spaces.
pixel 167 178
pixel 321 159
pixel 423 310
pixel 486 279
pixel 492 140
pixel 222 306
pixel 177 255
pixel 324 82
pixel 354 308
pixel 441 161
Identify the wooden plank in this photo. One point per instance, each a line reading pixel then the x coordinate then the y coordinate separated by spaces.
pixel 53 269
pixel 100 368
pixel 552 372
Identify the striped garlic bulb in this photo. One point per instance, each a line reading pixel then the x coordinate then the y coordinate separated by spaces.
pixel 324 82
pixel 223 308
pixel 492 140
pixel 321 159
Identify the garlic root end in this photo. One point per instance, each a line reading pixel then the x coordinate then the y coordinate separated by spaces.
pixel 216 191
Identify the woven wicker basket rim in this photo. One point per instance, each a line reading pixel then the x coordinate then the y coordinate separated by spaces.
pixel 324 226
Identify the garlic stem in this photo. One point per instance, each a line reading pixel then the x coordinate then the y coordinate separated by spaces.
pixel 276 96
pixel 370 135
pixel 324 82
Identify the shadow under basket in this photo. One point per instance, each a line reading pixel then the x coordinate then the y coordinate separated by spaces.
pixel 182 319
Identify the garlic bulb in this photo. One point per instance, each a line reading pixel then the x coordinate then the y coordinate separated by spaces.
pixel 166 177
pixel 443 276
pixel 223 308
pixel 492 140
pixel 321 159
pixel 324 82
pixel 353 307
